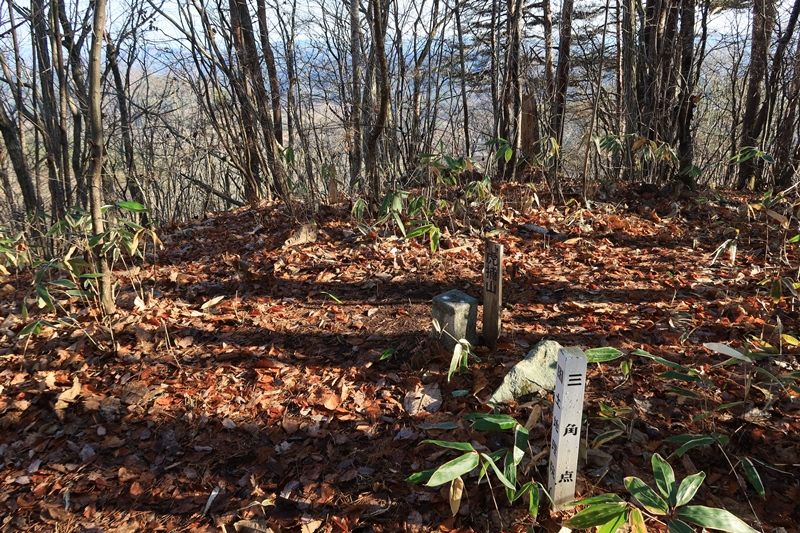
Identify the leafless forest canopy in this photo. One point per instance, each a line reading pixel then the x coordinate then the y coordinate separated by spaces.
pixel 204 105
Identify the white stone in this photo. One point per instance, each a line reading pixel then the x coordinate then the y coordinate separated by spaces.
pixel 536 373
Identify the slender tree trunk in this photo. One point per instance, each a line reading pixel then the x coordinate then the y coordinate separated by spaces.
pixel 272 72
pixel 763 19
pixel 686 99
pixel 355 94
pixel 561 85
pixel 382 81
pixel 131 177
pixel 97 142
pixel 11 137
pixel 786 162
pixel 463 67
pixel 629 78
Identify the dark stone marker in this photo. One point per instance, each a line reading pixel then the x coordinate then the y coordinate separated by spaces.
pixel 492 292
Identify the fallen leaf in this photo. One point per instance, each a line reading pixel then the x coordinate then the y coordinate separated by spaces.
pixel 212 302
pixel 69 395
pixel 423 400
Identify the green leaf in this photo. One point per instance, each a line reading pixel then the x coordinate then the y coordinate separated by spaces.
pixel 657 359
pixel 682 391
pixel 794 239
pixel 776 291
pixel 498 473
pixel 713 518
pixel 724 349
pixel 596 515
pixel 688 488
pixel 521 437
pixel 418 231
pixel 696 441
pixel 672 374
pixel 602 355
pixel 34 328
pixel 614 524
pixel 461 446
pixel 606 436
pixel 753 477
pixel 491 422
pixel 452 469
pixel 510 471
pixel 508 154
pixel 420 477
pixel 388 353
pixel 533 499
pixel 679 526
pixel 399 221
pixel 664 475
pixel 636 521
pixel 645 496
pixel 447 425
pixel 134 207
pixel 64 283
pixel 593 500
pixel 331 296
pixel 532 489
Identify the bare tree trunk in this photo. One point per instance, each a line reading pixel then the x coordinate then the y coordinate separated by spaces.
pixel 96 135
pixel 763 18
pixel 382 81
pixel 11 137
pixel 462 65
pixel 131 177
pixel 786 161
pixel 629 77
pixel 272 72
pixel 50 113
pixel 254 89
pixel 355 94
pixel 561 84
pixel 686 99
pixel 509 124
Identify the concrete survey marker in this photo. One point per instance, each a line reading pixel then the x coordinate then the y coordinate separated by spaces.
pixel 457 313
pixel 492 292
pixel 566 430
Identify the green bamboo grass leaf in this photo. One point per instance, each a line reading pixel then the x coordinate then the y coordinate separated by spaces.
pixel 665 477
pixel 134 207
pixel 420 477
pixel 452 469
pixel 753 477
pixel 688 488
pixel 645 496
pixel 596 515
pixel 614 524
pixel 602 355
pixel 657 359
pixel 498 473
pixel 594 500
pixel 331 296
pixel 491 422
pixel 453 445
pixel 713 518
pixel 679 526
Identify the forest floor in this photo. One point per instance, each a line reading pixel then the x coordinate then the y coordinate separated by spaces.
pixel 247 383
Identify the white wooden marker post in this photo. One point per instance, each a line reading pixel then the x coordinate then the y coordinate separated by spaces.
pixel 492 292
pixel 566 431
